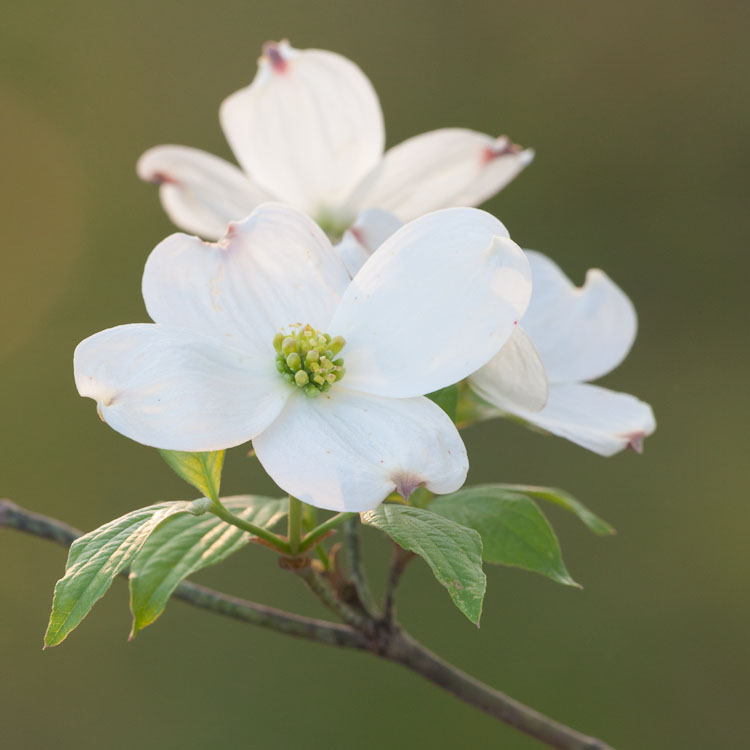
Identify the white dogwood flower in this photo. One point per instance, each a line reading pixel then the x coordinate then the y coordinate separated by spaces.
pixel 574 335
pixel 309 131
pixel 265 336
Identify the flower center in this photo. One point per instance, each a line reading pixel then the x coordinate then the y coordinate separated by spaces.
pixel 306 358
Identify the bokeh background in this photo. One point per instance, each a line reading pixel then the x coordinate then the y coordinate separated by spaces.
pixel 640 116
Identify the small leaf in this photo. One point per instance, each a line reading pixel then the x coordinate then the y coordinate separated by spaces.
pixel 452 551
pixel 95 559
pixel 564 500
pixel 202 470
pixel 446 399
pixel 186 544
pixel 513 530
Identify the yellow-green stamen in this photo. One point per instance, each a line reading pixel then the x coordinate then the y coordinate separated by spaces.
pixel 307 358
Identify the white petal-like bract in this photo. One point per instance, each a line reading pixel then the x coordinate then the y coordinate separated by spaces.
pixel 200 192
pixel 435 302
pixel 580 333
pixel 370 230
pixel 440 169
pixel 347 451
pixel 308 128
pixel 309 131
pixel 596 418
pixel 273 269
pixel 177 389
pixel 514 378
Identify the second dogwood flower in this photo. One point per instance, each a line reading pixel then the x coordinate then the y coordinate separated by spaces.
pixel 309 131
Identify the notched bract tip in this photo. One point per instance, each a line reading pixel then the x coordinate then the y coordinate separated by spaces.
pixel 635 442
pixel 160 178
pixel 406 484
pixel 503 146
pixel 273 53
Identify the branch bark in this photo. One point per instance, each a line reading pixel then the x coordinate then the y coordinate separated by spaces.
pixel 404 650
pixel 385 639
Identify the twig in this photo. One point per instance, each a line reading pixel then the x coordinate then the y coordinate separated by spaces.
pixel 323 589
pixel 399 561
pixel 388 640
pixel 404 650
pixel 351 540
pixel 329 633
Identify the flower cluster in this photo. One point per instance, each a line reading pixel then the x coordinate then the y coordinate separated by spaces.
pixel 420 292
pixel 307 358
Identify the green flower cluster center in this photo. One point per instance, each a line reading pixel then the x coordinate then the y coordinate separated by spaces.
pixel 308 359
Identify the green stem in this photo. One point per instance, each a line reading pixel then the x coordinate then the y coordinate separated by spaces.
pixel 295 525
pixel 309 522
pixel 323 557
pixel 268 536
pixel 320 531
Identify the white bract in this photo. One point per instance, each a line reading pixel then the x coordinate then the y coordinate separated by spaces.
pixel 309 131
pixel 264 336
pixel 574 335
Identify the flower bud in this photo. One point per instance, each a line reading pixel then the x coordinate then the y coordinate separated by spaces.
pixel 337 344
pixel 294 361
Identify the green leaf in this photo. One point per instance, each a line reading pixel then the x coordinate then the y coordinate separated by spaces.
pixel 202 470
pixel 452 551
pixel 447 400
pixel 564 500
pixel 184 545
pixel 95 559
pixel 513 530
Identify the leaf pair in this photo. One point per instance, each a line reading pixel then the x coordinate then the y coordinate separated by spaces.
pixel 163 544
pixel 495 523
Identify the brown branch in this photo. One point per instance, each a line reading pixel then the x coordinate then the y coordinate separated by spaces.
pixel 310 628
pixel 404 650
pixel 387 640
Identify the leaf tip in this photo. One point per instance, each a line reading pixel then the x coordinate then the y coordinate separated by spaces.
pixel 136 628
pixel 51 639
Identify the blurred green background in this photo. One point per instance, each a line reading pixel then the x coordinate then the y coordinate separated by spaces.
pixel 640 116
